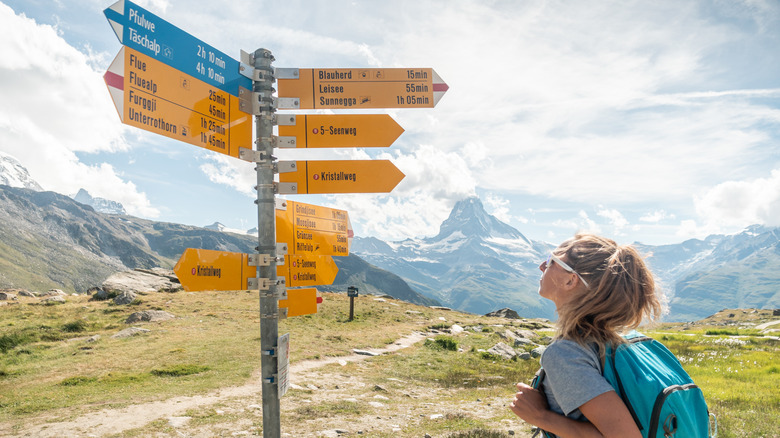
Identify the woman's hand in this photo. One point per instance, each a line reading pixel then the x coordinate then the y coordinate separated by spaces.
pixel 529 404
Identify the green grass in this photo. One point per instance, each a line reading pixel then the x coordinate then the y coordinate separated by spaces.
pixel 739 378
pixel 49 370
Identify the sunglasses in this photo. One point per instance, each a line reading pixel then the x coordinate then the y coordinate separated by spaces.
pixel 567 268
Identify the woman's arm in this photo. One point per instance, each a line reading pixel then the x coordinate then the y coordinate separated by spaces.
pixel 607 413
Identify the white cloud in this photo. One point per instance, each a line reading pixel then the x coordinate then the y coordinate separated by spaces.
pixel 742 203
pixel 656 216
pixel 616 219
pixel 55 104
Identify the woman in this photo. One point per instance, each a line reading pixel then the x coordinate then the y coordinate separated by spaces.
pixel 600 289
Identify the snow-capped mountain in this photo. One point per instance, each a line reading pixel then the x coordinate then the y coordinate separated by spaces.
pixel 13 174
pixel 478 264
pixel 475 263
pixel 219 226
pixel 100 205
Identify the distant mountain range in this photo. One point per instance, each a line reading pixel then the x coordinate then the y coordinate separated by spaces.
pixel 477 264
pixel 48 240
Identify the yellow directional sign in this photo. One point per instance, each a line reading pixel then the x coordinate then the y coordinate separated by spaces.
pixel 308 270
pixel 153 96
pixel 203 269
pixel 313 230
pixel 339 130
pixel 354 88
pixel 333 176
pixel 301 302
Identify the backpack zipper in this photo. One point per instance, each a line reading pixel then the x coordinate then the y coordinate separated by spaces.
pixel 659 403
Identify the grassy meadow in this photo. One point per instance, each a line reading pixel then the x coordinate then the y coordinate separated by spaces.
pixel 53 368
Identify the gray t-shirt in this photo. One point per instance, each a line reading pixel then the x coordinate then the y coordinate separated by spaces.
pixel 573 377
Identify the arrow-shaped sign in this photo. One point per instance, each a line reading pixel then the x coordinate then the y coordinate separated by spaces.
pixel 308 270
pixel 345 88
pixel 204 269
pixel 155 97
pixel 334 176
pixel 151 35
pixel 339 130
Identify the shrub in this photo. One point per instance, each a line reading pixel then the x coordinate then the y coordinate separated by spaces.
pixel 77 380
pixel 10 341
pixel 442 343
pixel 75 326
pixel 179 370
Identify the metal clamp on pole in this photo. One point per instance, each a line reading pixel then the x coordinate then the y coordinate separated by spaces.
pixel 285 142
pixel 271 379
pixel 287 103
pixel 259 259
pixel 287 73
pixel 281 249
pixel 252 155
pixel 285 119
pixel 254 283
pixel 287 166
pixel 286 188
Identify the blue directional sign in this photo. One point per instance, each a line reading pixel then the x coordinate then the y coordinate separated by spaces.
pixel 141 30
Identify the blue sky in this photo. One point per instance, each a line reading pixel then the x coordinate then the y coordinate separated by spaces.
pixel 644 121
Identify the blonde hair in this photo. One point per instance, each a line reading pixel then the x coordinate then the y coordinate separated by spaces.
pixel 621 294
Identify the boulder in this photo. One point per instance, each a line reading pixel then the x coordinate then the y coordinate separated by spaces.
pixel 132 331
pixel 125 298
pixel 7 296
pixel 504 313
pixel 536 352
pixel 503 350
pixel 53 300
pixel 52 293
pixel 26 293
pixel 98 294
pixel 149 316
pixel 141 281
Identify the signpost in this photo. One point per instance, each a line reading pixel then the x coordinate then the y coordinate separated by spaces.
pixel 137 28
pixel 352 293
pixel 155 97
pixel 166 81
pixel 339 130
pixel 359 88
pixel 333 176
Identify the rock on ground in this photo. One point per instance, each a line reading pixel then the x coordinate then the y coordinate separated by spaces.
pixel 504 313
pixel 132 331
pixel 142 281
pixel 149 316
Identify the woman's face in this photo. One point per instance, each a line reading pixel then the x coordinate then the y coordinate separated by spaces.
pixel 555 282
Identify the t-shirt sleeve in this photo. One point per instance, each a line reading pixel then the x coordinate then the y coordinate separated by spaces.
pixel 573 374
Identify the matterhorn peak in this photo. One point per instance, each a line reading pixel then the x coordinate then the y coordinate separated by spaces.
pixel 469 217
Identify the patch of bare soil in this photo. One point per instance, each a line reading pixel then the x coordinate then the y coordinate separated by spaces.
pixel 237 411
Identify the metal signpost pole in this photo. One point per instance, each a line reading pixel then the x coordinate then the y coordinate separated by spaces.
pixel 269 305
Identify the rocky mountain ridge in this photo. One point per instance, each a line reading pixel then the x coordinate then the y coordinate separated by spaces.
pixel 477 264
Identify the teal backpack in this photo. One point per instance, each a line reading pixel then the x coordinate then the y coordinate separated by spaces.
pixel 659 394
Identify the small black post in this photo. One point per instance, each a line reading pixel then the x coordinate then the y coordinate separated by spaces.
pixel 352 292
